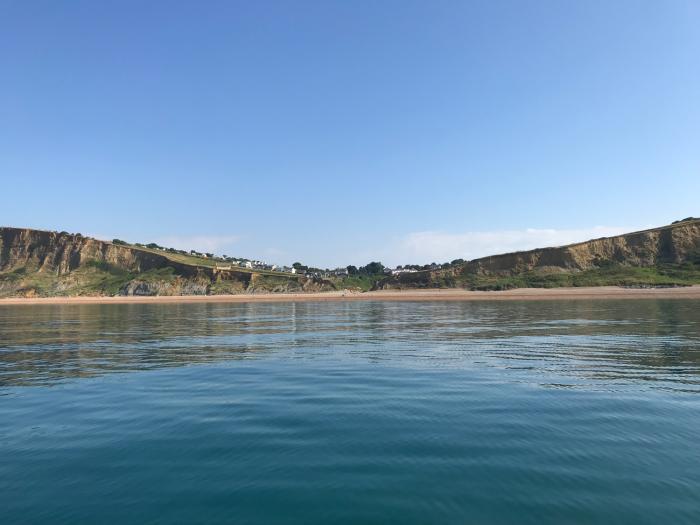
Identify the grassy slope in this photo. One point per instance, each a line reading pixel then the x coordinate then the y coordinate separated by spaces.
pixel 193 260
pixel 612 275
pixel 105 279
pixel 90 279
pixel 100 278
pixel 356 282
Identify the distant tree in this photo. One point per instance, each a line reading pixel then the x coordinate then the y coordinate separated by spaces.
pixel 352 270
pixel 210 255
pixel 118 241
pixel 373 268
pixel 457 261
pixel 152 246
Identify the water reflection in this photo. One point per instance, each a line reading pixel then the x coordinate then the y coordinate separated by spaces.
pixel 602 344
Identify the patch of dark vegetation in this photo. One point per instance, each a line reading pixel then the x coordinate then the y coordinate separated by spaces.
pixel 158 274
pixel 14 275
pixel 106 267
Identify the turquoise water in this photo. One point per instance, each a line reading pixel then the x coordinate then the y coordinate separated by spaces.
pixel 357 412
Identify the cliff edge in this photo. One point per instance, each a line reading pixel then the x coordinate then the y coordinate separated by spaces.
pixel 35 263
pixel 669 255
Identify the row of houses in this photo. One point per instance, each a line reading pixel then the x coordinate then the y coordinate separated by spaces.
pixel 400 270
pixel 323 274
pixel 253 265
pixel 343 272
pixel 311 273
pixel 260 265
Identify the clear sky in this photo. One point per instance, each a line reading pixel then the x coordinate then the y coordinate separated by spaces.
pixel 342 132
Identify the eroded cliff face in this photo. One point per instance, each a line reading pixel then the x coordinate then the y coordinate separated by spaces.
pixel 61 253
pixel 35 263
pixel 676 243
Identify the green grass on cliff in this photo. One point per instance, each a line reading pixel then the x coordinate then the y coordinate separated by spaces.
pixel 93 278
pixel 609 275
pixel 357 282
pixel 193 260
pixel 613 275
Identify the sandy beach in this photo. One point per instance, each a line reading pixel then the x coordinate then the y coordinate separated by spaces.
pixel 519 294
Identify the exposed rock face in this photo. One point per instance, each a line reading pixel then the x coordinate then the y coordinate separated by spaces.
pixel 180 287
pixel 670 244
pixel 676 244
pixel 34 262
pixel 63 263
pixel 61 252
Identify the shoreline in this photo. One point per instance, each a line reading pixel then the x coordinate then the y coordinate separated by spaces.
pixel 517 294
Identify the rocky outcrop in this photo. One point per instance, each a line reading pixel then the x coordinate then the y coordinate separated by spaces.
pixel 178 287
pixel 675 244
pixel 40 263
pixel 36 262
pixel 62 253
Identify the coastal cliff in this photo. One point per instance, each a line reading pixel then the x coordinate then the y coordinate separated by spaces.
pixel 61 253
pixel 45 263
pixel 36 263
pixel 676 244
pixel 629 259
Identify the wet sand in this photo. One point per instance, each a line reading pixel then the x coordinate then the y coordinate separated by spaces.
pixel 519 294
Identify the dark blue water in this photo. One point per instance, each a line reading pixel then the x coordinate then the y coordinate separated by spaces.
pixel 358 412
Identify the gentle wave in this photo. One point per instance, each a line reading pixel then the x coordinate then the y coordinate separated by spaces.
pixel 566 412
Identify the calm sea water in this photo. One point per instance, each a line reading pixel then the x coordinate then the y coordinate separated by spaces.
pixel 358 412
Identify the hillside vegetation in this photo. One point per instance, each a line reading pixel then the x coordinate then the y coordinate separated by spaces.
pixel 36 263
pixel 43 263
pixel 665 256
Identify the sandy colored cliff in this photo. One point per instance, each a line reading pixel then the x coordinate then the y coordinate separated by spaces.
pixel 35 263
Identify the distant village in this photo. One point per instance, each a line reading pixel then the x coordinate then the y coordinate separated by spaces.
pixel 373 268
pixel 318 273
pixel 224 262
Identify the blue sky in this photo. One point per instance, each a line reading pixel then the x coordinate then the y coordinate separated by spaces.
pixel 342 132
